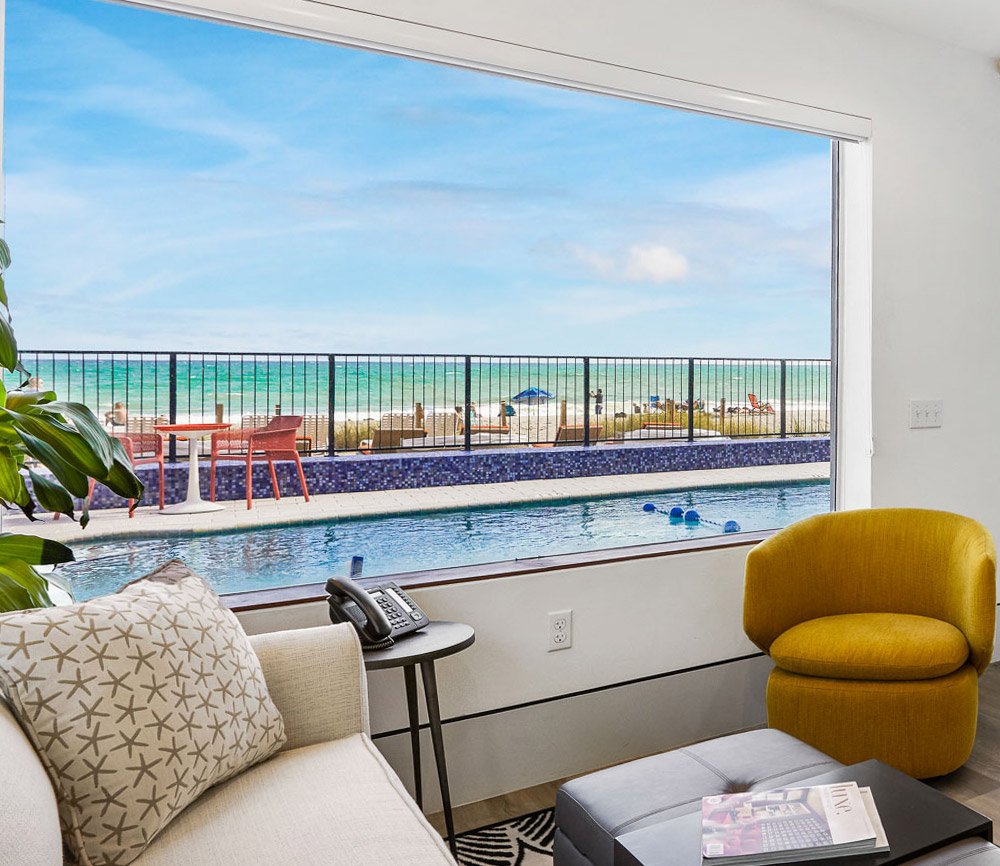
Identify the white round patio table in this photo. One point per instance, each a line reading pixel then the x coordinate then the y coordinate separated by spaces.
pixel 193 503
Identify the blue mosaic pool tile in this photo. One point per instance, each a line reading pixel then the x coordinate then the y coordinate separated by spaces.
pixel 351 473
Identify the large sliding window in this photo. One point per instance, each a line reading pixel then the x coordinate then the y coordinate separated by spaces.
pixel 210 221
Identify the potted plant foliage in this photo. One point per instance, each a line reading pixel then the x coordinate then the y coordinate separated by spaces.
pixel 39 432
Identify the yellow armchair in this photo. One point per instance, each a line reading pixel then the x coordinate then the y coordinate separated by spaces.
pixel 879 623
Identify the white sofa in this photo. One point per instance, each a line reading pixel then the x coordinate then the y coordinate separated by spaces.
pixel 328 797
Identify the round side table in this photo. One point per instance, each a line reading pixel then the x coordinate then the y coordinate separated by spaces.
pixel 434 641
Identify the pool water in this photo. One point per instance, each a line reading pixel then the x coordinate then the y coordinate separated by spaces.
pixel 310 553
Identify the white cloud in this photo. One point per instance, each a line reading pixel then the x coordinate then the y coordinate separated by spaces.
pixel 642 263
pixel 655 263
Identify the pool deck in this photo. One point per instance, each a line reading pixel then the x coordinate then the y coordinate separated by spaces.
pixel 115 522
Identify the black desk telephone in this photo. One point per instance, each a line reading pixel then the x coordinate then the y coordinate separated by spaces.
pixel 379 614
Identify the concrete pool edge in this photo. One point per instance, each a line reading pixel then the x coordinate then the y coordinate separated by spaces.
pixel 112 524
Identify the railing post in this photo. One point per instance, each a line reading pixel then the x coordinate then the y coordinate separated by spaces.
pixel 690 400
pixel 173 407
pixel 331 390
pixel 784 419
pixel 586 402
pixel 467 421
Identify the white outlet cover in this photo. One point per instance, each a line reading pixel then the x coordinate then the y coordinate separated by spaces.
pixel 560 630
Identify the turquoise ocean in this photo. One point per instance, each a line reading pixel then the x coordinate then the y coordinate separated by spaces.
pixel 367 386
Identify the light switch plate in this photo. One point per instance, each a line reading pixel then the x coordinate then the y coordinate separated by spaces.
pixel 926 413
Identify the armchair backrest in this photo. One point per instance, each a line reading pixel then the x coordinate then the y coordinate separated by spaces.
pixel 879 560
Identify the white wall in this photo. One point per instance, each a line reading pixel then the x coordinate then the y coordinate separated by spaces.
pixel 935 261
pixel 640 619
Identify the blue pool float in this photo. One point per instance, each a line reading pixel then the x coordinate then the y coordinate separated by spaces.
pixel 692 516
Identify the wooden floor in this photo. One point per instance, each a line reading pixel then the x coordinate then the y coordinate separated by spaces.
pixel 977 784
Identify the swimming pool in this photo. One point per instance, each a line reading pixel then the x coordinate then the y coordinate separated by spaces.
pixel 309 553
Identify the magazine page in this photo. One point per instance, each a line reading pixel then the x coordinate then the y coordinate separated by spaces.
pixel 846 814
pixel 881 841
pixel 790 819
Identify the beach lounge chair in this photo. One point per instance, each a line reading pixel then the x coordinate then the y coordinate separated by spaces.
pixel 759 408
pixel 571 434
pixel 275 441
pixel 386 439
pixel 314 432
pixel 143 424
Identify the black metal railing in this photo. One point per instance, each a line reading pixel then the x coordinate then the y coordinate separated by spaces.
pixel 384 402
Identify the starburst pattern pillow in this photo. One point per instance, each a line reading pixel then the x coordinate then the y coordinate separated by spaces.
pixel 136 702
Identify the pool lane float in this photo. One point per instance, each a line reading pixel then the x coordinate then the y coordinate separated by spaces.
pixel 690 516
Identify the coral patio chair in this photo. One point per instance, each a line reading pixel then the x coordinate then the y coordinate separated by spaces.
pixel 275 441
pixel 141 448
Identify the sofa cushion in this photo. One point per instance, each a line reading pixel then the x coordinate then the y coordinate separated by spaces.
pixel 137 702
pixel 322 805
pixel 29 820
pixel 592 810
pixel 871 646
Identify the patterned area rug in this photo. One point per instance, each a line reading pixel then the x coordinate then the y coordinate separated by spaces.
pixel 524 841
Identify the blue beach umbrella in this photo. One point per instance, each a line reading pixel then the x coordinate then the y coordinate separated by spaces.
pixel 533 396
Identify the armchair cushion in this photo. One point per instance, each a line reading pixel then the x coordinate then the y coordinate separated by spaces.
pixel 871 646
pixel 137 703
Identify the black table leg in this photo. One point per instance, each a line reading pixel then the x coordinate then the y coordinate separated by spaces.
pixel 410 676
pixel 434 717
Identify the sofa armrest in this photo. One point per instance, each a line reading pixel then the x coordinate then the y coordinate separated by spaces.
pixel 316 677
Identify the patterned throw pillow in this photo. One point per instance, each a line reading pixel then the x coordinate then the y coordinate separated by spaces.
pixel 137 702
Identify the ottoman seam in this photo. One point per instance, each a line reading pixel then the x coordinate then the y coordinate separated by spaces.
pixel 795 770
pixel 708 766
pixel 616 830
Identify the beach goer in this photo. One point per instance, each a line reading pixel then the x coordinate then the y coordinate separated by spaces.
pixel 636 409
pixel 35 383
pixel 598 401
pixel 118 416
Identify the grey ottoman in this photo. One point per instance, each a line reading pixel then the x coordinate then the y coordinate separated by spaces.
pixel 592 810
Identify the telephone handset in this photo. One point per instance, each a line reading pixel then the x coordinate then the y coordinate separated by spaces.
pixel 379 614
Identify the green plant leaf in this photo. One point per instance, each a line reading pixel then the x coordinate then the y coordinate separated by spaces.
pixel 51 495
pixel 33 550
pixel 13 596
pixel 87 425
pixel 3 292
pixel 75 481
pixel 75 447
pixel 123 481
pixel 21 400
pixel 4 255
pixel 8 346
pixel 10 479
pixel 24 575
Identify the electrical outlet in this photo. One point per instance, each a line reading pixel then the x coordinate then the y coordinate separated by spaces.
pixel 560 630
pixel 926 413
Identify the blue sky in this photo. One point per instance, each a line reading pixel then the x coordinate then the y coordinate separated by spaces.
pixel 175 184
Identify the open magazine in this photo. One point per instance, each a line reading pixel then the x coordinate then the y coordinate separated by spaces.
pixel 790 824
